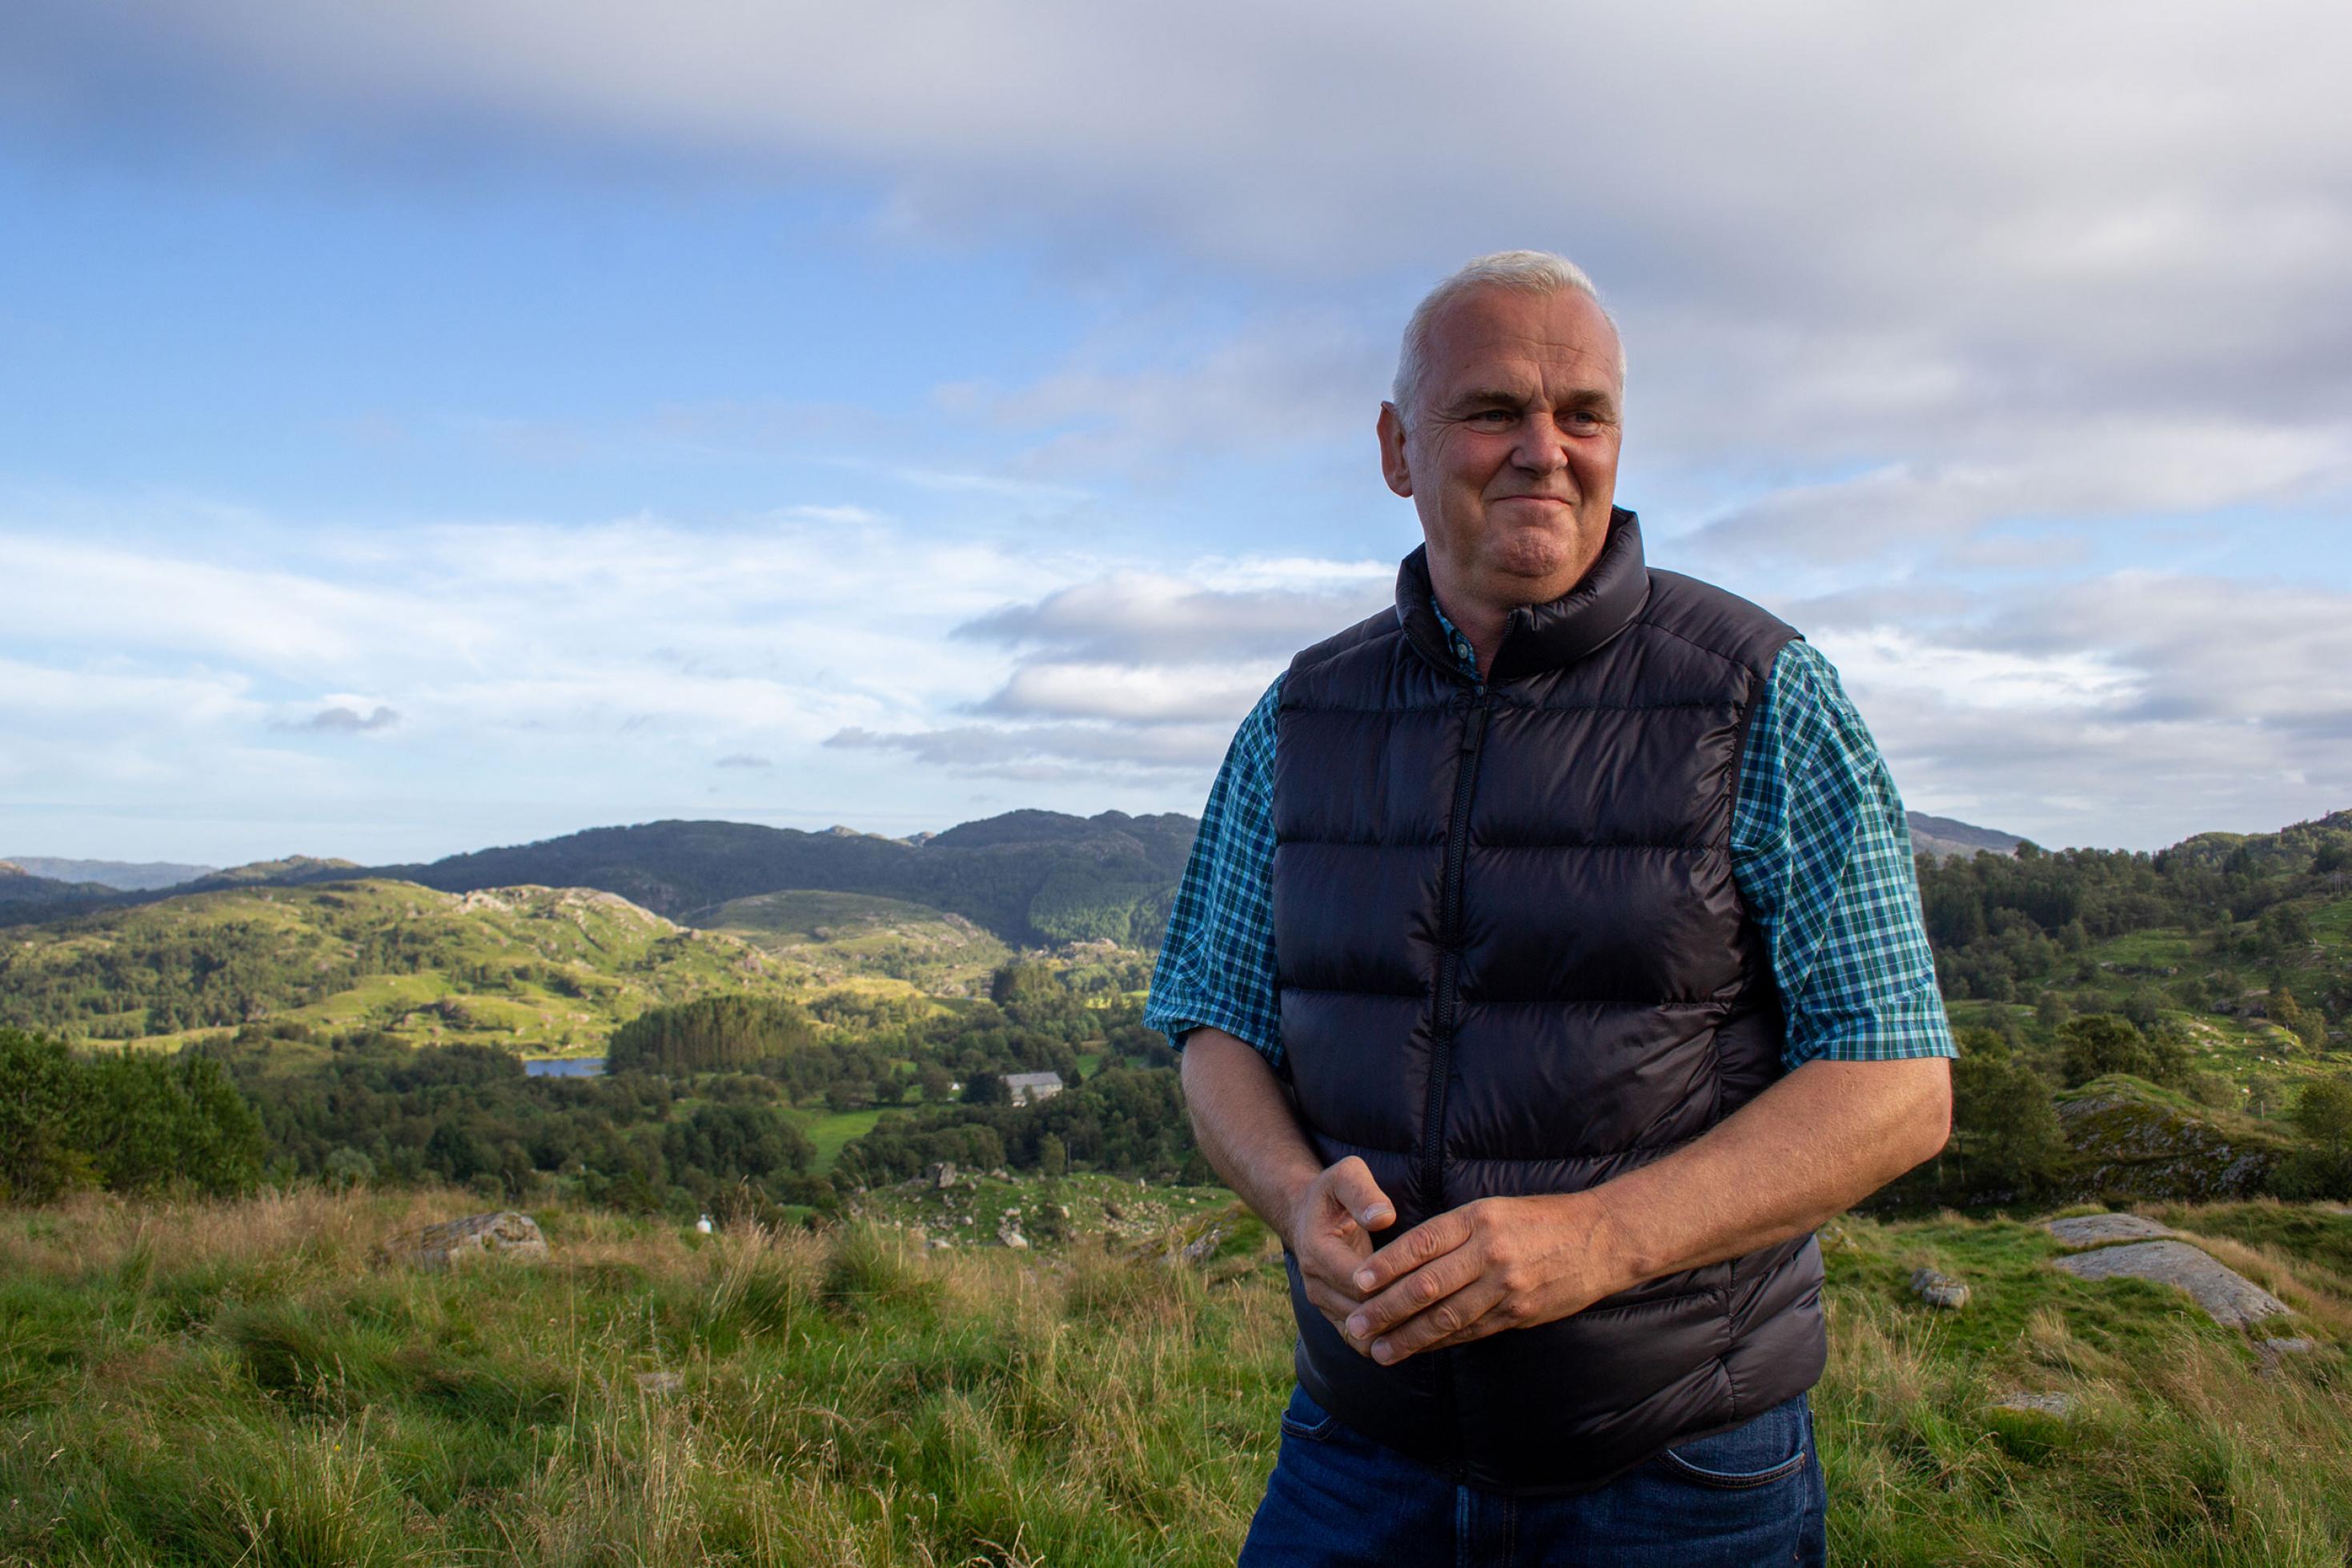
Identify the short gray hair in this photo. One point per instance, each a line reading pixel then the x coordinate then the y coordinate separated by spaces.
pixel 1536 272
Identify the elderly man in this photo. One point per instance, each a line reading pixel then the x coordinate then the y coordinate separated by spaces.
pixel 1547 967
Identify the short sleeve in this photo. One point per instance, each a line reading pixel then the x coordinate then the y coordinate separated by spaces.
pixel 1216 962
pixel 1821 856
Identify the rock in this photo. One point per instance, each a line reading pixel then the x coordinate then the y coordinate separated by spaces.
pixel 1012 1238
pixel 2271 1349
pixel 1939 1290
pixel 1112 1210
pixel 502 1235
pixel 2227 1296
pixel 2128 1141
pixel 1200 1249
pixel 937 1243
pixel 2059 1404
pixel 940 1176
pixel 2098 1229
pixel 659 1383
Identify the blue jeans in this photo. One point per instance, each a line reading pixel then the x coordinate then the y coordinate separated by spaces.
pixel 1751 1495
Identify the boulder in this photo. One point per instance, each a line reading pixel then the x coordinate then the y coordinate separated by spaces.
pixel 1012 1238
pixel 659 1383
pixel 1939 1290
pixel 505 1234
pixel 2099 1229
pixel 2227 1296
pixel 2058 1405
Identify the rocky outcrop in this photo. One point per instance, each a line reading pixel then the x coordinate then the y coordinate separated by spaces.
pixel 2227 1296
pixel 505 1234
pixel 2100 1229
pixel 2133 1141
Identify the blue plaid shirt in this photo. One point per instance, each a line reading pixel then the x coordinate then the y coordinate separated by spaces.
pixel 1819 851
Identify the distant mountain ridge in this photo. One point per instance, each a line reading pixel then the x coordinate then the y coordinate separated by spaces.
pixel 1944 837
pixel 124 876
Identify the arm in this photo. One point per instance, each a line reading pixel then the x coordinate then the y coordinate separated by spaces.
pixel 1815 1143
pixel 1244 1125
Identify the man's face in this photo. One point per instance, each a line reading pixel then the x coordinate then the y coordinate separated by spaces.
pixel 1510 455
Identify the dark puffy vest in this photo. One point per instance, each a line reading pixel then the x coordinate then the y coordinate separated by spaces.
pixel 1512 960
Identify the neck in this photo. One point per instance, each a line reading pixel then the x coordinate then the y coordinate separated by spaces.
pixel 1484 616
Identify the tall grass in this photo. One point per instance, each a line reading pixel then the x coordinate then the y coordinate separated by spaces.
pixel 247 1383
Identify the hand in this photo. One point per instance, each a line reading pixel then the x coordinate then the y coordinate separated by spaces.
pixel 1499 1263
pixel 1330 1226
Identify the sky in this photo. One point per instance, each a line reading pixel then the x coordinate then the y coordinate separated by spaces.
pixel 432 424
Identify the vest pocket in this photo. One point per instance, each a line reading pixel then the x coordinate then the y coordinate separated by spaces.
pixel 1773 1446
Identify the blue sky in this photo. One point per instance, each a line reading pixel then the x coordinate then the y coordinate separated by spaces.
pixel 427 425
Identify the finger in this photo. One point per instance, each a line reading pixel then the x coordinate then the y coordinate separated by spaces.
pixel 1430 1238
pixel 1353 1186
pixel 1453 1319
pixel 1494 1320
pixel 1335 1310
pixel 1416 1292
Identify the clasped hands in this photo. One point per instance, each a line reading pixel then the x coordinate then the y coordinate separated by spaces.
pixel 1493 1264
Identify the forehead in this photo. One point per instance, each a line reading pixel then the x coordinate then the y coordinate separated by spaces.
pixel 1505 339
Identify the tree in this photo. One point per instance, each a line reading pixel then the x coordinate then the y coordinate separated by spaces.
pixel 2005 1131
pixel 2100 1043
pixel 2323 1114
pixel 41 1097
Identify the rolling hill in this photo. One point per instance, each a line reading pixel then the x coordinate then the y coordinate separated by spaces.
pixel 529 969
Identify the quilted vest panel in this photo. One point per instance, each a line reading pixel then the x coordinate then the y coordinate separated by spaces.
pixel 1512 960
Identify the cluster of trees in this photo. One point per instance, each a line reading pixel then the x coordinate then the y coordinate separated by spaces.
pixel 125 1122
pixel 378 1108
pixel 709 1034
pixel 1124 1118
pixel 2018 929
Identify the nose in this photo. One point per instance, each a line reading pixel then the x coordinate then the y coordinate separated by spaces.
pixel 1541 447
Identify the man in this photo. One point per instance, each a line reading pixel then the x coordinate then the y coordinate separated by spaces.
pixel 1547 967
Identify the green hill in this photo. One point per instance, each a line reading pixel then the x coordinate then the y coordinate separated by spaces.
pixel 836 937
pixel 530 968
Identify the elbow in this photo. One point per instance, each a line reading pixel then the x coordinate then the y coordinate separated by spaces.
pixel 1928 1126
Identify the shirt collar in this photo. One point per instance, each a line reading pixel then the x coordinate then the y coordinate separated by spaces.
pixel 1548 636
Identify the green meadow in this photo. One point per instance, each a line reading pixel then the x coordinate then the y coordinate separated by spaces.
pixel 250 1383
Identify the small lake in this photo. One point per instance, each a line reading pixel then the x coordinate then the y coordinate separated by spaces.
pixel 563 1066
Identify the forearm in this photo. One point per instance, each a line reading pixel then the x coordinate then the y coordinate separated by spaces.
pixel 1243 1126
pixel 1817 1142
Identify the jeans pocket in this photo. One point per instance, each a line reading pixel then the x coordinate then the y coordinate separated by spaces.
pixel 1303 1418
pixel 1772 1447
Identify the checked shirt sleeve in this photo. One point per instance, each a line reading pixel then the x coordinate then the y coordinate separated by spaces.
pixel 1822 856
pixel 1216 963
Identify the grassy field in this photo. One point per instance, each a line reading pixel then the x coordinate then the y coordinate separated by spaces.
pixel 247 1384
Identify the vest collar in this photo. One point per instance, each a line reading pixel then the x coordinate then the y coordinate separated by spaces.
pixel 1539 637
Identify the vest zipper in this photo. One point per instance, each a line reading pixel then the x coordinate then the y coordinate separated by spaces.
pixel 1449 959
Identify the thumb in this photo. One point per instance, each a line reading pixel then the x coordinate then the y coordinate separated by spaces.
pixel 1353 1188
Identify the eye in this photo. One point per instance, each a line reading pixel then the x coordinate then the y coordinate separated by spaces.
pixel 1494 418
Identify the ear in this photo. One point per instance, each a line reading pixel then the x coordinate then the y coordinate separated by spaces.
pixel 1393 467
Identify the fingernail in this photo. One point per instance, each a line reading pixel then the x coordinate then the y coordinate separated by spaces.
pixel 1374 1217
pixel 1363 1278
pixel 1357 1325
pixel 1382 1352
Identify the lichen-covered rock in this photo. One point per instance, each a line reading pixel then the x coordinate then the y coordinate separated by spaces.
pixel 2058 1405
pixel 2227 1296
pixel 2130 1141
pixel 1939 1290
pixel 505 1234
pixel 2099 1229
